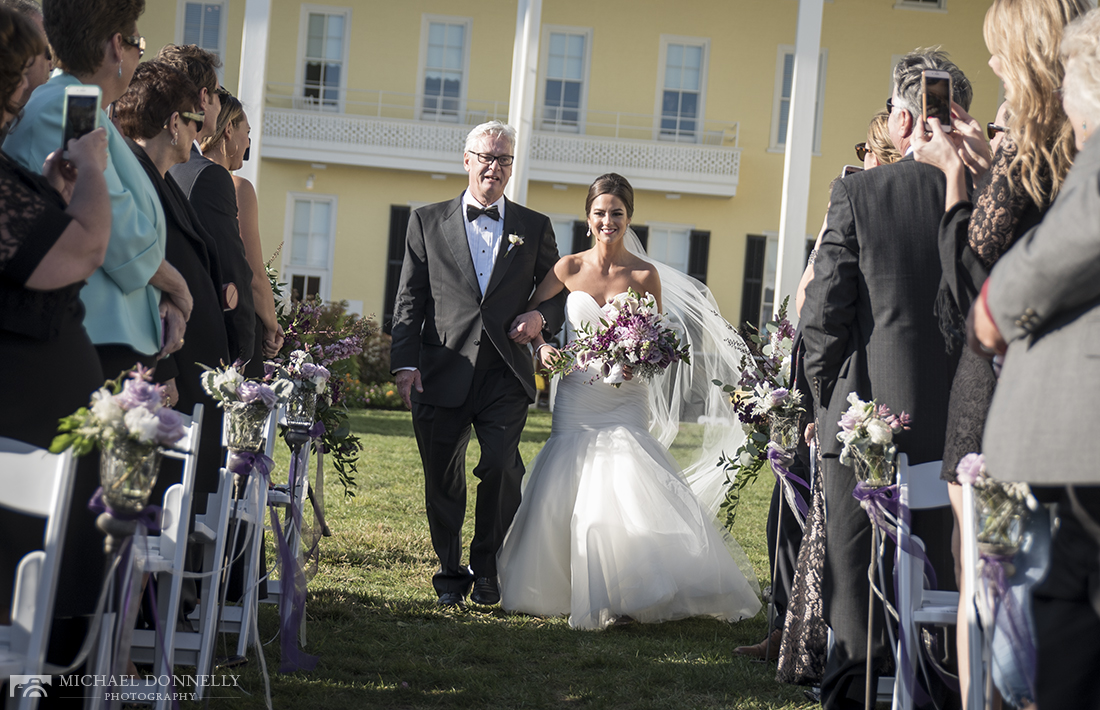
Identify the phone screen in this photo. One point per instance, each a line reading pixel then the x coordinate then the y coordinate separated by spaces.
pixel 937 99
pixel 80 116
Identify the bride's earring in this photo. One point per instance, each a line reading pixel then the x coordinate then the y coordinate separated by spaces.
pixel 590 231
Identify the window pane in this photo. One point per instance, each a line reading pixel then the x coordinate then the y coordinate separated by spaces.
pixel 435 56
pixel 784 117
pixel 553 92
pixel 334 43
pixel 556 66
pixel 211 27
pixel 576 46
pixel 670 105
pixel 433 83
pixel 788 75
pixel 690 79
pixel 455 35
pixel 689 104
pixel 436 33
pixel 316 37
pixel 451 84
pixel 192 23
pixel 693 58
pixel 557 43
pixel 675 56
pixel 574 66
pixel 572 94
pixel 313 289
pixel 453 58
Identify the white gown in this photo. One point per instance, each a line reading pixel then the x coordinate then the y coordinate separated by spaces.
pixel 607 526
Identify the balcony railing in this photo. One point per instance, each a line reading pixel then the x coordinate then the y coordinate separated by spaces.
pixel 417 132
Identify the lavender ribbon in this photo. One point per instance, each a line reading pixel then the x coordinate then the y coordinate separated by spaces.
pixel 1013 623
pixel 148 517
pixel 778 459
pixel 291 613
pixel 243 463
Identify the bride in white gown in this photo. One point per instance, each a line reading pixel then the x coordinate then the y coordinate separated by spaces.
pixel 608 527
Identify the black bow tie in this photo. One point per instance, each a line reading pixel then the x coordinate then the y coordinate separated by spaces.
pixel 473 213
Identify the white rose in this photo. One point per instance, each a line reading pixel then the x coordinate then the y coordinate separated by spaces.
pixel 105 408
pixel 142 424
pixel 880 432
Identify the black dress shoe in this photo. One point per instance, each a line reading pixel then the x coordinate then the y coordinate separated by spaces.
pixel 451 599
pixel 486 591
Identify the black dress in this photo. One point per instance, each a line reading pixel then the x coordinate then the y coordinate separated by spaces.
pixel 50 370
pixel 973 235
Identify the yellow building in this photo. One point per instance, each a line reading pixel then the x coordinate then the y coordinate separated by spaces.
pixel 365 106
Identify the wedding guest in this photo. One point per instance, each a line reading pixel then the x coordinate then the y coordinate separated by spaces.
pixel 209 188
pixel 228 147
pixel 1041 306
pixel 160 116
pixel 868 328
pixel 39 71
pixel 1012 191
pixel 96 42
pixel 54 234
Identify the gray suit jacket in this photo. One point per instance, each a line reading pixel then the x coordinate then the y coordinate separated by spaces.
pixel 1044 295
pixel 868 323
pixel 440 313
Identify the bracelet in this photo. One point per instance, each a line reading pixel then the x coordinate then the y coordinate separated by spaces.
pixel 543 327
pixel 544 345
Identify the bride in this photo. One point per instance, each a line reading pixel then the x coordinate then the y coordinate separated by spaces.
pixel 608 528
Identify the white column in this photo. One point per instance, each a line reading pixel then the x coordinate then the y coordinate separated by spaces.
pixel 521 98
pixel 251 87
pixel 796 163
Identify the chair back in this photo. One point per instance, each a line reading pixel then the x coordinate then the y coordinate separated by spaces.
pixel 920 486
pixel 35 482
pixel 977 648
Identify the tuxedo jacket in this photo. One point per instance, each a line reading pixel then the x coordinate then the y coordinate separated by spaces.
pixel 1044 295
pixel 868 321
pixel 209 188
pixel 440 314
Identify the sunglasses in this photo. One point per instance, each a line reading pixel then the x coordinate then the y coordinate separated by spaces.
pixel 862 150
pixel 136 41
pixel 196 117
pixel 890 105
pixel 992 129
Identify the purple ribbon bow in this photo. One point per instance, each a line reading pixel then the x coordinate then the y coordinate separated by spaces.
pixel 243 463
pixel 779 460
pixel 148 517
pixel 1012 622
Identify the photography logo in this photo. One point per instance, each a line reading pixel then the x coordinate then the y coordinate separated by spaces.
pixel 28 686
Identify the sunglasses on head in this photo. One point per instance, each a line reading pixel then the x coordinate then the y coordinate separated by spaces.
pixel 992 129
pixel 862 150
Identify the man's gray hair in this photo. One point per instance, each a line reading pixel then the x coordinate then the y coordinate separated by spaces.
pixel 491 129
pixel 1081 53
pixel 907 79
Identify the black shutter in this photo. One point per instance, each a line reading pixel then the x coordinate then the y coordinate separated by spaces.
pixel 752 289
pixel 581 240
pixel 643 235
pixel 698 254
pixel 399 224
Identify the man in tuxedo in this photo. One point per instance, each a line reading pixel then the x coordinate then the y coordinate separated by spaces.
pixel 869 327
pixel 209 189
pixel 460 328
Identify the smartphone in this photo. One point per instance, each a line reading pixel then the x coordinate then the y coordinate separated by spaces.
pixel 850 170
pixel 80 114
pixel 935 92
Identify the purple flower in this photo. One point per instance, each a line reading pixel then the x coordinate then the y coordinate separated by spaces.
pixel 308 370
pixel 169 427
pixel 970 468
pixel 251 392
pixel 136 392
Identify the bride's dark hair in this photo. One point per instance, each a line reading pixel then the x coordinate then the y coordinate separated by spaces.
pixel 611 184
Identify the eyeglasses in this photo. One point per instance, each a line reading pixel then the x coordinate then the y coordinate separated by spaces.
pixel 196 117
pixel 890 105
pixel 992 129
pixel 862 150
pixel 488 158
pixel 136 41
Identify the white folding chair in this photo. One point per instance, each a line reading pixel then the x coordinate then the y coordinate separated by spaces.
pixel 919 488
pixel 35 482
pixel 977 642
pixel 164 555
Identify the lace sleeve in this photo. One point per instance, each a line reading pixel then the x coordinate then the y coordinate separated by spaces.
pixel 32 218
pixel 998 208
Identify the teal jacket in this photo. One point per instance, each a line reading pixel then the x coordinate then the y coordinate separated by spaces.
pixel 122 308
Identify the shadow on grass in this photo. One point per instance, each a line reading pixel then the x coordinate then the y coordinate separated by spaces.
pixel 395 423
pixel 381 652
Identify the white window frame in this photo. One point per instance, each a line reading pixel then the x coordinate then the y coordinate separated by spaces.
pixel 181 17
pixel 777 143
pixel 685 229
pixel 562 218
pixel 422 66
pixel 938 6
pixel 662 66
pixel 289 270
pixel 586 74
pixel 300 101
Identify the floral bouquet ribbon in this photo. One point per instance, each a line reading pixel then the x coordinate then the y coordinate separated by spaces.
pixel 780 460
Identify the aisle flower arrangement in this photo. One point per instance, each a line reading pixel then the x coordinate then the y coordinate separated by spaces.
pixel 867 433
pixel 766 403
pixel 632 333
pixel 1001 507
pixel 247 404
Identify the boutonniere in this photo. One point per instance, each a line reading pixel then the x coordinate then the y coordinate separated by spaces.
pixel 514 240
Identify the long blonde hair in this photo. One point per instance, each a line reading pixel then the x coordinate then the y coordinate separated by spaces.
pixel 1026 35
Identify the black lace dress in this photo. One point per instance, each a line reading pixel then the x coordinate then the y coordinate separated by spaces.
pixel 50 369
pixel 973 235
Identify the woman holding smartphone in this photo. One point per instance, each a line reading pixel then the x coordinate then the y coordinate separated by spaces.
pixel 1012 190
pixel 97 45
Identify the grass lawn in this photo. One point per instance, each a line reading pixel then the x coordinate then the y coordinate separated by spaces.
pixel 383 643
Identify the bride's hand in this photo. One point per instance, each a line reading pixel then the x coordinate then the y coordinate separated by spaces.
pixel 547 355
pixel 628 372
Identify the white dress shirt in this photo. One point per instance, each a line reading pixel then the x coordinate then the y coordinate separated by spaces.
pixel 484 237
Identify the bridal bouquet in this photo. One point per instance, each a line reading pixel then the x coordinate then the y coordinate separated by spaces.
pixel 631 333
pixel 766 403
pixel 1001 507
pixel 128 408
pixel 867 432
